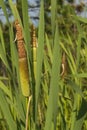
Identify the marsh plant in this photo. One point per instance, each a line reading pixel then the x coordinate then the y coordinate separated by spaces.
pixel 43 70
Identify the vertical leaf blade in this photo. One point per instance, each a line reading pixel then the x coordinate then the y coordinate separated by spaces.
pixel 40 50
pixel 53 14
pixel 54 85
pixel 4 9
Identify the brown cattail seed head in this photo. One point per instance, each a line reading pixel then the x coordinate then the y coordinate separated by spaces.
pixel 20 40
pixel 21 49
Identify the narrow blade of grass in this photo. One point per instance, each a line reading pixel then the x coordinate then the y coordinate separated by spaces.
pixel 5 89
pixel 81 115
pixel 20 107
pixel 79 45
pixel 3 58
pixel 40 50
pixel 2 40
pixel 26 30
pixel 76 88
pixel 49 48
pixel 6 112
pixel 53 14
pixel 4 9
pixel 84 20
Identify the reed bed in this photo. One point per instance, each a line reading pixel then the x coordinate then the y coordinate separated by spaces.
pixel 43 75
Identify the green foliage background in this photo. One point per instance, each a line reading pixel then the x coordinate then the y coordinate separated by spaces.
pixel 58 102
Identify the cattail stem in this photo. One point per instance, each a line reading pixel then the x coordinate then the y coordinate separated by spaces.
pixel 34 48
pixel 27 113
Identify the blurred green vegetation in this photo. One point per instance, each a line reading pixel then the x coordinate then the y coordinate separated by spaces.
pixel 59 102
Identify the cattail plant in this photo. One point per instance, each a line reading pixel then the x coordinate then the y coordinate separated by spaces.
pixel 23 65
pixel 34 48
